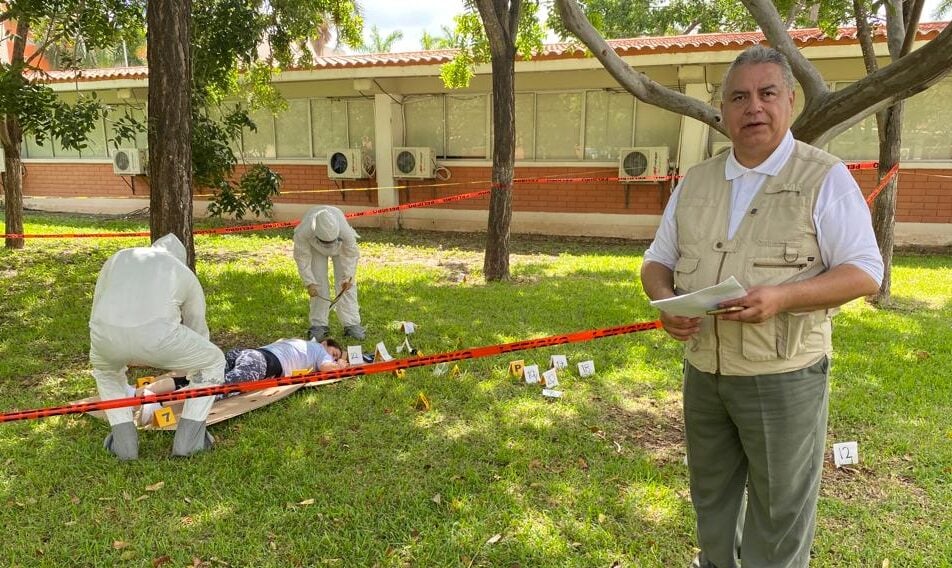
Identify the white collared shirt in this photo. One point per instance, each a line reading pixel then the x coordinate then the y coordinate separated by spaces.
pixel 842 218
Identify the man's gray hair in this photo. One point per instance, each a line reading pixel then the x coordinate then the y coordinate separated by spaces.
pixel 762 54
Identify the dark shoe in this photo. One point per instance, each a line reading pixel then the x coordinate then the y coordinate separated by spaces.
pixel 191 437
pixel 123 441
pixel 318 332
pixel 355 331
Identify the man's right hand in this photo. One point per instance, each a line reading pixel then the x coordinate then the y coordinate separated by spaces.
pixel 312 290
pixel 680 328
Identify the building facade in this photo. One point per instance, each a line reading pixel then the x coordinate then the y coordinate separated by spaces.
pixel 573 123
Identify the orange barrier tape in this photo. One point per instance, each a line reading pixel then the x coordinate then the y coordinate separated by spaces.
pixel 361 370
pixel 260 226
pixel 882 184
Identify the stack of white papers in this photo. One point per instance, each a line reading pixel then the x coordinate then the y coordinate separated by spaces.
pixel 698 303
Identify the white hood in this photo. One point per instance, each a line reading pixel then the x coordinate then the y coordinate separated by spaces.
pixel 172 245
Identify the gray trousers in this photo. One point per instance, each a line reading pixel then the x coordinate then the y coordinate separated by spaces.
pixel 767 434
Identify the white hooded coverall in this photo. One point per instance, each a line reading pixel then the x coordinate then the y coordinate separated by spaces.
pixel 311 256
pixel 149 309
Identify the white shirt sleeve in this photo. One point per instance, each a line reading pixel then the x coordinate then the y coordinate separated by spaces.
pixel 844 225
pixel 664 248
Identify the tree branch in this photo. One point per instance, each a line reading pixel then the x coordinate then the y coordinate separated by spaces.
pixel 639 85
pixel 895 28
pixel 912 74
pixel 765 14
pixel 864 34
pixel 912 26
pixel 493 25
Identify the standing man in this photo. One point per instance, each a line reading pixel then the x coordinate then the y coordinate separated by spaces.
pixel 149 309
pixel 789 222
pixel 325 234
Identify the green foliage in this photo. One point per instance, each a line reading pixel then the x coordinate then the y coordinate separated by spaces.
pixel 379 44
pixel 469 38
pixel 126 128
pixel 624 18
pixel 227 67
pixel 92 25
pixel 353 475
pixel 252 194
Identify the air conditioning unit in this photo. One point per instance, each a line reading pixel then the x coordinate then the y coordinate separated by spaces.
pixel 645 162
pixel 130 162
pixel 718 148
pixel 346 163
pixel 413 163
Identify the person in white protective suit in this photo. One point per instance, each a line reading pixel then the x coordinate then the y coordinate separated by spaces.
pixel 149 309
pixel 325 234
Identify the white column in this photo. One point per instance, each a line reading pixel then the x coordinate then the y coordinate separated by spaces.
pixel 694 133
pixel 387 127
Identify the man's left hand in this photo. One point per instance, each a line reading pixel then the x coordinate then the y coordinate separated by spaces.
pixel 760 304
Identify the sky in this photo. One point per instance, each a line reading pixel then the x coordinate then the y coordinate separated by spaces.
pixel 413 17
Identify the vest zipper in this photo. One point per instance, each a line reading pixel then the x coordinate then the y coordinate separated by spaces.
pixel 799 266
pixel 717 337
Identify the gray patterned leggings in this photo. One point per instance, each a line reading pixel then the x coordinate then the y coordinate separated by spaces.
pixel 243 365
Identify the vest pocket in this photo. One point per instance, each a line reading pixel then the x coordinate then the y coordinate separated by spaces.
pixel 772 271
pixel 783 336
pixel 759 341
pixel 685 274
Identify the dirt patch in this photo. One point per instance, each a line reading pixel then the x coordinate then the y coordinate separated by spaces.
pixel 858 483
pixel 654 425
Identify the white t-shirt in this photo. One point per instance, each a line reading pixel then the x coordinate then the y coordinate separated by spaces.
pixel 843 224
pixel 296 354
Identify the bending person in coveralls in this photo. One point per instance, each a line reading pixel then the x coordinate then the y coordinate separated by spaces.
pixel 325 234
pixel 149 309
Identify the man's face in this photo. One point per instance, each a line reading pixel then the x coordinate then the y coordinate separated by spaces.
pixel 335 353
pixel 757 107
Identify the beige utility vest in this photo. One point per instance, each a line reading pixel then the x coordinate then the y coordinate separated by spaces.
pixel 775 243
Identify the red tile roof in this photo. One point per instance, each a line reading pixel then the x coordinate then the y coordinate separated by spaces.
pixel 569 50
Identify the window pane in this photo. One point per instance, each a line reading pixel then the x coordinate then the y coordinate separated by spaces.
pixel 860 142
pixel 525 126
pixel 260 143
pixel 292 131
pixel 927 124
pixel 466 134
pixel 360 116
pixel 559 124
pixel 34 150
pixel 328 125
pixel 608 120
pixel 657 127
pixel 121 112
pixel 61 152
pixel 424 122
pixel 95 141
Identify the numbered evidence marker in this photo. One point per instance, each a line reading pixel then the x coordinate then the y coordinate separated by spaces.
pixel 531 373
pixel 551 393
pixel 355 355
pixel 845 453
pixel 586 368
pixel 558 362
pixel 551 379
pixel 407 327
pixel 381 353
pixel 143 381
pixel 517 367
pixel 163 417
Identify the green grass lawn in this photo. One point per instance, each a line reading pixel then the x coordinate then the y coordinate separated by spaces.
pixel 352 474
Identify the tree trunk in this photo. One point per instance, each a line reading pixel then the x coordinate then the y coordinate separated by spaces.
pixel 496 263
pixel 11 139
pixel 170 121
pixel 12 180
pixel 884 210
